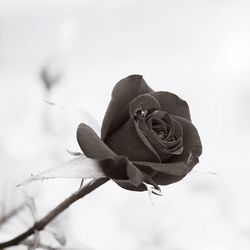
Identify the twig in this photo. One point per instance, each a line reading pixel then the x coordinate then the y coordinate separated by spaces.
pixel 41 224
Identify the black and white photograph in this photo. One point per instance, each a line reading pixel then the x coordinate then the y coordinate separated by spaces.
pixel 124 125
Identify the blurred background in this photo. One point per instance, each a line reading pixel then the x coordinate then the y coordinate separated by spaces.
pixel 71 53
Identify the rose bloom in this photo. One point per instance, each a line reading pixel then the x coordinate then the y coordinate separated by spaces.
pixel 146 137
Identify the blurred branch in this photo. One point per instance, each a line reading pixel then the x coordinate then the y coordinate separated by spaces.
pixel 41 224
pixel 11 214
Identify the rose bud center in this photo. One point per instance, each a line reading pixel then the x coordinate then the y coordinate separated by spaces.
pixel 161 131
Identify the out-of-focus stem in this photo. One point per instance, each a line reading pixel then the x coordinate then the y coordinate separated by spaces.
pixel 41 224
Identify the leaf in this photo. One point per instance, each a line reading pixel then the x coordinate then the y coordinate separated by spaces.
pixel 78 115
pixel 80 167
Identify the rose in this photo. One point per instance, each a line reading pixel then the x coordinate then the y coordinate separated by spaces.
pixel 146 137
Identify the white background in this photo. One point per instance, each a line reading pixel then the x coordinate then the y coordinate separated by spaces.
pixel 199 50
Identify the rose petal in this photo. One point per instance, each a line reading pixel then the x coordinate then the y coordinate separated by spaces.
pixel 146 142
pixel 175 168
pixel 91 145
pixel 168 173
pixel 191 141
pixel 165 149
pixel 145 102
pixel 126 184
pixel 166 179
pixel 118 168
pixel 140 186
pixel 125 141
pixel 172 104
pixel 180 165
pixel 118 110
pixel 178 130
pixel 134 174
pixel 127 175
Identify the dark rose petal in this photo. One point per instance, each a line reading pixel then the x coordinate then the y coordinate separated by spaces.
pixel 191 141
pixel 144 139
pixel 178 166
pixel 143 103
pixel 172 104
pixel 175 168
pixel 118 168
pixel 136 181
pixel 166 179
pixel 167 173
pixel 126 141
pixel 134 174
pixel 126 184
pixel 160 132
pixel 118 110
pixel 153 140
pixel 178 130
pixel 91 145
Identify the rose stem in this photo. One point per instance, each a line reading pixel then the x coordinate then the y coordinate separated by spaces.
pixel 41 224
